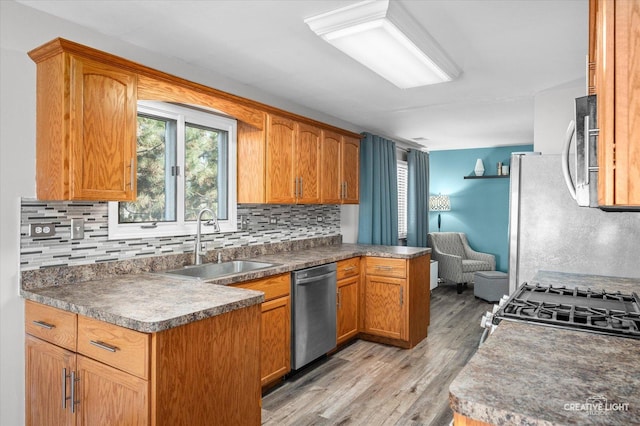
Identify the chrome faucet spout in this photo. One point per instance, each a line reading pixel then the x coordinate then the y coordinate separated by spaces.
pixel 198 249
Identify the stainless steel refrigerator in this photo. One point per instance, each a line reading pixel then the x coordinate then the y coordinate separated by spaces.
pixel 549 231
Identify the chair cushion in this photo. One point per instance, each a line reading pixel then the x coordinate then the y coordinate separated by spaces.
pixel 475 265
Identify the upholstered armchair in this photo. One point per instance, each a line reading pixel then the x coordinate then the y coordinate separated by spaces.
pixel 457 261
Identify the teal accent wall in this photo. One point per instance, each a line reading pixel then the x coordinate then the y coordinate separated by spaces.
pixel 479 207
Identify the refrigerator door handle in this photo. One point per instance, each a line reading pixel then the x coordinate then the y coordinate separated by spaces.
pixel 565 159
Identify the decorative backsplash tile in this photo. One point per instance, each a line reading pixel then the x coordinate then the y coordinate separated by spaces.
pixel 295 222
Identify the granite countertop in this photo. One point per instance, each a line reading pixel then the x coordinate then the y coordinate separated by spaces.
pixel 151 302
pixel 146 302
pixel 527 374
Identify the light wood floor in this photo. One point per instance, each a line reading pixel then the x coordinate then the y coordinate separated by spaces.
pixel 373 384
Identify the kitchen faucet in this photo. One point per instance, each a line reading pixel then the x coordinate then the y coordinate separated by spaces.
pixel 198 249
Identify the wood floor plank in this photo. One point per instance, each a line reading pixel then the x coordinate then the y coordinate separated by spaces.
pixel 368 383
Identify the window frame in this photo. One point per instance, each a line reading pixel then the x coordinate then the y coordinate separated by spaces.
pixel 402 214
pixel 183 114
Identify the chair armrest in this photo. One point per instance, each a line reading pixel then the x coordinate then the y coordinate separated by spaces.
pixel 485 257
pixel 449 266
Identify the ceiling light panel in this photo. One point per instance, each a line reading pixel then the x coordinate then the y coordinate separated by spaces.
pixel 382 36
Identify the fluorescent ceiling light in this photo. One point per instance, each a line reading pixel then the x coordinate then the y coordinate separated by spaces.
pixel 382 36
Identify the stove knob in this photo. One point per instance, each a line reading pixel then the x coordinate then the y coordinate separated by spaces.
pixel 485 322
pixel 495 308
pixel 503 300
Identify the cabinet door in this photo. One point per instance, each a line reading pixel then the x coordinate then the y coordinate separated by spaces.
pixel 385 310
pixel 280 177
pixel 307 164
pixel 351 170
pixel 276 339
pixel 627 102
pixel 46 384
pixel 103 127
pixel 108 396
pixel 347 308
pixel 615 43
pixel 330 175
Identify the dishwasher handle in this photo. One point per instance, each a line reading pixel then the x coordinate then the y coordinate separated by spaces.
pixel 302 281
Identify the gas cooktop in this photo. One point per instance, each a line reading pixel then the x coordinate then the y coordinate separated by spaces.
pixel 602 312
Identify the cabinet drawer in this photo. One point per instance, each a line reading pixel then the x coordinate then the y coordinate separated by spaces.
pixel 273 287
pixel 348 268
pixel 51 324
pixel 385 267
pixel 119 347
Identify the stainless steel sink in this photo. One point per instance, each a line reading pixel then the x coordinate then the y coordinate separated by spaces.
pixel 209 271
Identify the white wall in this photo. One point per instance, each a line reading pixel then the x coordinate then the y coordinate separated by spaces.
pixel 22 29
pixel 349 223
pixel 17 171
pixel 554 108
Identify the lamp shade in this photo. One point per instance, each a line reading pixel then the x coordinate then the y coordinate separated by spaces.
pixel 439 203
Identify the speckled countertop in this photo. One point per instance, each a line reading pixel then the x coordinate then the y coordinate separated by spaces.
pixel 151 302
pixel 146 302
pixel 527 374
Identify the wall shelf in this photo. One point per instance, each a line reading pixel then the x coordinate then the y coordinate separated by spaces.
pixel 487 177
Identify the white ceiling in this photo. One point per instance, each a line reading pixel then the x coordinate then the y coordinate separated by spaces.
pixel 508 51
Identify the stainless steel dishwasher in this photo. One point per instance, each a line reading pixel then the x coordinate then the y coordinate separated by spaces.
pixel 313 322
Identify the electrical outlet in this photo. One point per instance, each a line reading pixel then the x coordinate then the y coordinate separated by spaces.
pixel 273 220
pixel 77 229
pixel 38 230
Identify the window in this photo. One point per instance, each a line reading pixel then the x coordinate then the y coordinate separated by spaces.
pixel 402 198
pixel 186 162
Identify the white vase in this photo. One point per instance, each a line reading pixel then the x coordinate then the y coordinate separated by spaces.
pixel 479 167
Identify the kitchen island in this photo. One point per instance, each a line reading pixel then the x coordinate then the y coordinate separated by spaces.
pixel 538 375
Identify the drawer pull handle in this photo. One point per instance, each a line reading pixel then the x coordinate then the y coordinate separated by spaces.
pixel 384 268
pixel 44 325
pixel 74 380
pixel 103 345
pixel 349 268
pixel 65 376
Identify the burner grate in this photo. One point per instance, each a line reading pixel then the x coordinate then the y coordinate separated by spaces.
pixel 597 311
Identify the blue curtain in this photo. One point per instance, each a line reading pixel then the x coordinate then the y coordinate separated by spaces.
pixel 417 198
pixel 378 217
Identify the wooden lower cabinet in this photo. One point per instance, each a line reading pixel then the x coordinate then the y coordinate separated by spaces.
pixel 275 341
pixel 45 365
pixel 460 420
pixel 395 300
pixel 109 396
pixel 103 394
pixel 385 307
pixel 275 354
pixel 347 309
pixel 194 373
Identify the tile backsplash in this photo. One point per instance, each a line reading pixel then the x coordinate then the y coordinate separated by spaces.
pixel 295 222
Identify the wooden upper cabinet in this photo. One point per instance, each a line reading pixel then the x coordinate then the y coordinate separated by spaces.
pixel 340 169
pixel 281 182
pixel 85 128
pixel 307 164
pixel 292 162
pixel 330 165
pixel 350 160
pixel 614 48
